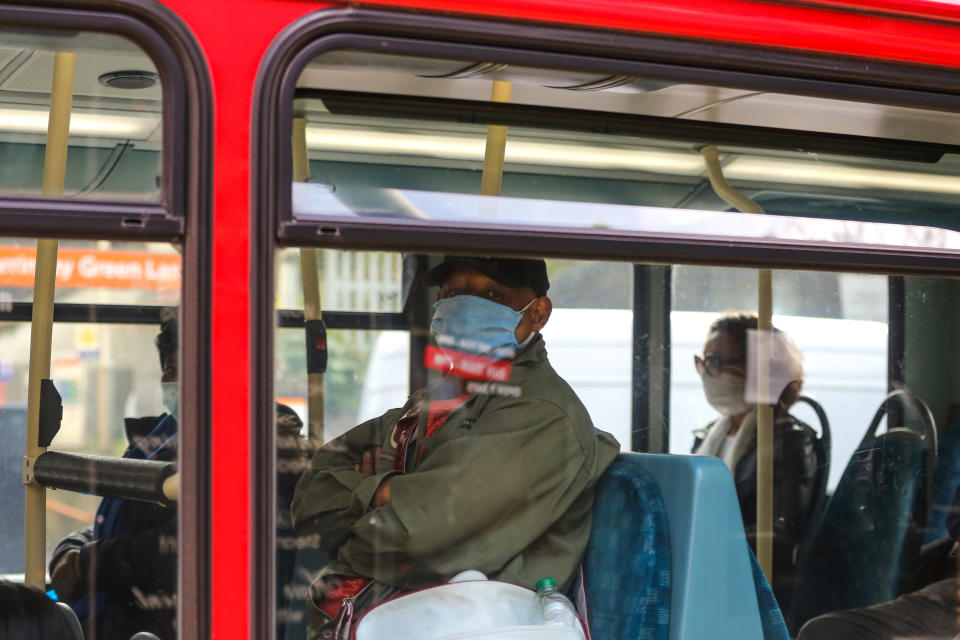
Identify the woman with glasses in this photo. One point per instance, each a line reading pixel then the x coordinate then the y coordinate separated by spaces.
pixel 732 436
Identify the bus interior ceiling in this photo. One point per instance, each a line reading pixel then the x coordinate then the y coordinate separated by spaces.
pixel 116 126
pixel 345 96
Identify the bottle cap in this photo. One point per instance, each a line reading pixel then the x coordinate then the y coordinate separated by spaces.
pixel 546 583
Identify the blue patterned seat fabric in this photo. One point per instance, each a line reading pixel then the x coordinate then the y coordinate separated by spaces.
pixel 774 628
pixel 945 483
pixel 627 568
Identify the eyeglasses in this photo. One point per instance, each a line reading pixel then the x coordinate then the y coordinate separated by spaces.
pixel 712 364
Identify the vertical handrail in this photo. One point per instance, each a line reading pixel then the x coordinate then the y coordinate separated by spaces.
pixel 312 309
pixel 764 423
pixel 496 146
pixel 764 350
pixel 41 325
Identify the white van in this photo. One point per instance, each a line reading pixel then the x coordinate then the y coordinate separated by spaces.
pixel 845 362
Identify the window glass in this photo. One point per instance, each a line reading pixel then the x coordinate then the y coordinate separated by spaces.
pixel 831 360
pixel 115 124
pixel 370 371
pixel 350 71
pixel 118 385
pixel 355 281
pixel 103 272
pixel 476 423
pixel 412 148
pixel 839 322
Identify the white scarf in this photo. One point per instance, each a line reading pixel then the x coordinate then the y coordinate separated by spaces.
pixel 712 443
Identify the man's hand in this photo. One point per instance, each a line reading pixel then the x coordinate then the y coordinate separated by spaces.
pixel 66 578
pixel 370 462
pixel 370 465
pixel 382 495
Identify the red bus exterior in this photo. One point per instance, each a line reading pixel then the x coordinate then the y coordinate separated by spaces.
pixel 234 37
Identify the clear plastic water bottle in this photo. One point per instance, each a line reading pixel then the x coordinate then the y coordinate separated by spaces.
pixel 557 609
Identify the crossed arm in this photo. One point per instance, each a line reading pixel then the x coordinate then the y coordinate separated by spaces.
pixel 476 502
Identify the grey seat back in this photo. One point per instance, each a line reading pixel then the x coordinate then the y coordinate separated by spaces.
pixel 72 620
pixel 867 542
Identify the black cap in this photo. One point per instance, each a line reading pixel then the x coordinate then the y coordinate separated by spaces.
pixel 510 272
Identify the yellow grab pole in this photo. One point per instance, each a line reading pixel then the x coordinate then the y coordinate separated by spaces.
pixel 41 327
pixel 722 188
pixel 496 145
pixel 764 423
pixel 764 348
pixel 312 309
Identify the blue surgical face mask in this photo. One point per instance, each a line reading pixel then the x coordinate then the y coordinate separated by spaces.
pixel 171 397
pixel 479 326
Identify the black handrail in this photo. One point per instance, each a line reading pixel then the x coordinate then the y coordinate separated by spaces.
pixel 126 478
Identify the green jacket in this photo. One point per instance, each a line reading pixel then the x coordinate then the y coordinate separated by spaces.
pixel 504 486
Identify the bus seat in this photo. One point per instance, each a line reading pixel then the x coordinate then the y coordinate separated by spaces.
pixel 627 571
pixel 822 446
pixel 771 617
pixel 946 480
pixel 72 621
pixel 710 591
pixel 868 540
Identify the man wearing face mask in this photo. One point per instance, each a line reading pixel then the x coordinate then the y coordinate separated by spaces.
pixel 498 478
pixel 119 576
pixel 732 437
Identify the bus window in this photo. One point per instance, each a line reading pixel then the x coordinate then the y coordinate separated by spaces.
pixel 115 125
pixel 405 155
pixel 839 321
pixel 838 362
pixel 81 118
pixel 677 319
pixel 114 362
pixel 362 385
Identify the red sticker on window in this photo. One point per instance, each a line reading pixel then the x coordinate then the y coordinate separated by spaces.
pixel 466 365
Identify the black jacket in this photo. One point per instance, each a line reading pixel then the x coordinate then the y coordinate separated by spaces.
pixel 794 478
pixel 136 572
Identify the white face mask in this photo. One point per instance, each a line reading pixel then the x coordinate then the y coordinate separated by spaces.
pixel 725 393
pixel 171 397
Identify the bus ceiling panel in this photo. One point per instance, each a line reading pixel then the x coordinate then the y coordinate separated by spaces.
pixel 937 132
pixel 854 247
pixel 24 38
pixel 580 62
pixel 616 84
pixel 130 119
pixel 683 103
pixel 104 73
pixel 335 67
